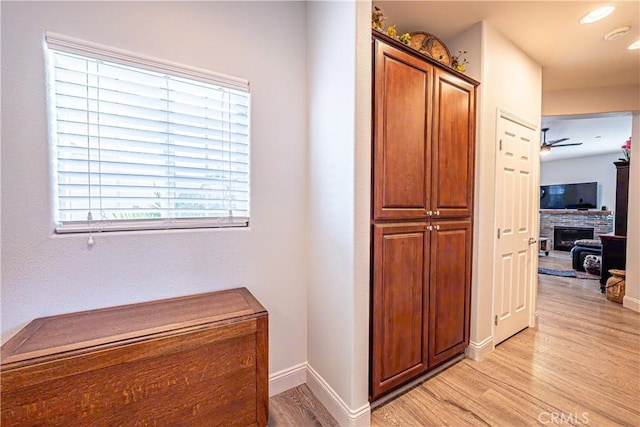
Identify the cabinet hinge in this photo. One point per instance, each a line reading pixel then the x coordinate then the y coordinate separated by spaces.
pixel 500 145
pixel 496 320
pixel 498 233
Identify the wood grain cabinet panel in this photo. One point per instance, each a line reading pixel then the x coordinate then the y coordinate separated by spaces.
pixel 403 85
pixel 198 361
pixel 454 142
pixel 450 292
pixel 400 295
pixel 422 207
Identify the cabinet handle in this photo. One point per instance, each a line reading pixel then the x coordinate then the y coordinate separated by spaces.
pixel 437 227
pixel 429 213
pixel 437 212
pixel 430 228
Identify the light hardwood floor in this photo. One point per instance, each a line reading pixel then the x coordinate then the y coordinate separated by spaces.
pixel 298 407
pixel 580 366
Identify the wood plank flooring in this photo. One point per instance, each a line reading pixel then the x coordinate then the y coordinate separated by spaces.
pixel 580 366
pixel 298 407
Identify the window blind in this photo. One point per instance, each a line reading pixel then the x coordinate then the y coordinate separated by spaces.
pixel 140 143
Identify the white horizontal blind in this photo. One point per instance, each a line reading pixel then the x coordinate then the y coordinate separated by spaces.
pixel 137 148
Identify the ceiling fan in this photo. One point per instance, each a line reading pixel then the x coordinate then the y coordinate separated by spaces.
pixel 546 146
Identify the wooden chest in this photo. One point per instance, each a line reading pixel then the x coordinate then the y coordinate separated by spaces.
pixel 193 361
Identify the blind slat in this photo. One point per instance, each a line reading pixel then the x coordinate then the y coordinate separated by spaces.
pixel 143 144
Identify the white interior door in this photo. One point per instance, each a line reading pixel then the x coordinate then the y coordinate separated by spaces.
pixel 517 166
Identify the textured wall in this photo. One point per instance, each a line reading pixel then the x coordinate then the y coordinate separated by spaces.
pixel 339 181
pixel 632 297
pixel 45 274
pixel 517 89
pixel 585 169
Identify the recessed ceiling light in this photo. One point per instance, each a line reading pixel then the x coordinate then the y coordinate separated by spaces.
pixel 635 45
pixel 597 14
pixel 617 33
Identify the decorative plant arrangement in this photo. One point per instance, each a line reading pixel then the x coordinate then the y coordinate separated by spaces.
pixel 377 23
pixel 626 150
pixel 425 43
pixel 458 62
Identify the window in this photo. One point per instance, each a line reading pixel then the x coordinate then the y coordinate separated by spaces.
pixel 140 143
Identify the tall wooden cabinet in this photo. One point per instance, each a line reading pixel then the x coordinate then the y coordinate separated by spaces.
pixel 622 197
pixel 422 206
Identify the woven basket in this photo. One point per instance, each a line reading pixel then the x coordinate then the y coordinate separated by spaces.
pixel 616 285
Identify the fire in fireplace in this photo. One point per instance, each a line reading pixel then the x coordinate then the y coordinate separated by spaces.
pixel 564 237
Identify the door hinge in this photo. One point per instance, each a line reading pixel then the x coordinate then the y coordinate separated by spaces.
pixel 500 145
pixel 498 233
pixel 496 320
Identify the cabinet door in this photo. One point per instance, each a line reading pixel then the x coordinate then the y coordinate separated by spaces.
pixel 453 146
pixel 399 301
pixel 449 288
pixel 402 117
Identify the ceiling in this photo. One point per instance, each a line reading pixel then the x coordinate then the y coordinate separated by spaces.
pixel 599 134
pixel 572 55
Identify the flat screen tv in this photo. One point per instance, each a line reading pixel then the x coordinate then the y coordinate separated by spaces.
pixel 569 196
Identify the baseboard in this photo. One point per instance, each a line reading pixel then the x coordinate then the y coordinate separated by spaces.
pixel 480 350
pixel 631 303
pixel 416 382
pixel 346 417
pixel 287 379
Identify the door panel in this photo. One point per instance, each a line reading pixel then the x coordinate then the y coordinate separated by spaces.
pixel 399 300
pixel 515 192
pixel 449 289
pixel 402 114
pixel 453 151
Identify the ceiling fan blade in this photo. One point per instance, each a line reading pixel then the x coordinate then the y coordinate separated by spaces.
pixel 555 141
pixel 567 145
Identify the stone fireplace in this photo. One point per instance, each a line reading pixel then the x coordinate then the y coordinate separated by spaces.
pixel 601 222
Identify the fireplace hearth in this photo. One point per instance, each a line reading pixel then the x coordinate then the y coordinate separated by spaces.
pixel 564 237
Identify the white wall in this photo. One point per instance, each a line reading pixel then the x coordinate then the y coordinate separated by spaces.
pixel 469 40
pixel 632 293
pixel 591 100
pixel 512 81
pixel 45 274
pixel 585 169
pixel 362 232
pixel 339 72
